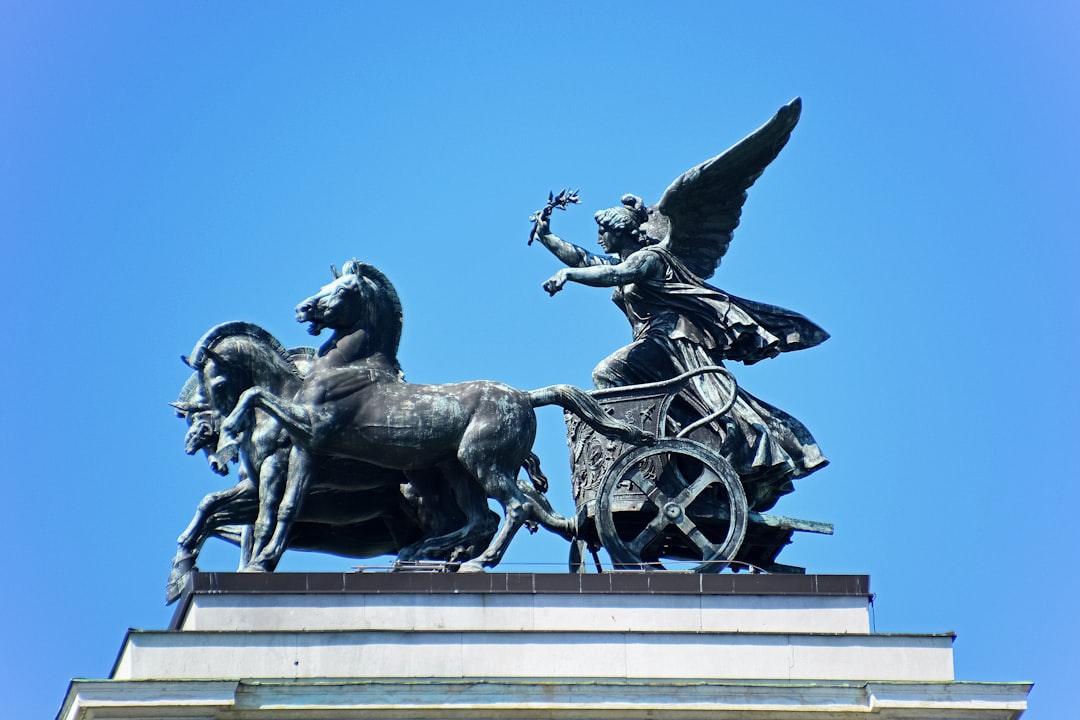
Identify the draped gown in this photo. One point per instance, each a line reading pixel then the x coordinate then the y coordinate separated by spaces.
pixel 680 322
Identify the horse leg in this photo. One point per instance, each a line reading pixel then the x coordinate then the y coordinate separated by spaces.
pixel 534 490
pixel 295 418
pixel 480 523
pixel 493 446
pixel 195 527
pixel 517 511
pixel 545 514
pixel 498 478
pixel 462 542
pixel 427 509
pixel 296 485
pixel 425 504
pixel 272 479
pixel 216 509
pixel 196 532
pixel 241 511
pixel 246 540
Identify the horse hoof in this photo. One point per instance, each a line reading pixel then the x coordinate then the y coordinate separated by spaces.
pixel 178 580
pixel 175 588
pixel 183 563
pixel 472 566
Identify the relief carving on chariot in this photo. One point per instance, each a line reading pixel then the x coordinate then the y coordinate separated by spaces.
pixel 671 460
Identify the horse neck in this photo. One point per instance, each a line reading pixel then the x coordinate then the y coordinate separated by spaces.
pixel 269 370
pixel 356 343
pixel 381 363
pixel 356 348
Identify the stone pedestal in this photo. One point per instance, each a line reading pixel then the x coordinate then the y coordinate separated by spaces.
pixel 614 645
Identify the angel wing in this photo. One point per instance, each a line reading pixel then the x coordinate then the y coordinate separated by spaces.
pixel 699 212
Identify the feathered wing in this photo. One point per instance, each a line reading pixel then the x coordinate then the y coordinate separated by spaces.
pixel 701 209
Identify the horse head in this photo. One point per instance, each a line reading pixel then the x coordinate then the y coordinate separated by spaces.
pixel 204 424
pixel 358 298
pixel 235 356
pixel 362 307
pixel 204 431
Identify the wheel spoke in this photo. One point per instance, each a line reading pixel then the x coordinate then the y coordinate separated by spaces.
pixel 693 534
pixel 654 494
pixel 672 476
pixel 690 494
pixel 648 534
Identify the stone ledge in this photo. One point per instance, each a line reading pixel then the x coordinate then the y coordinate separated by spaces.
pixel 536 698
pixel 668 582
pixel 437 583
pixel 522 612
pixel 651 583
pixel 195 654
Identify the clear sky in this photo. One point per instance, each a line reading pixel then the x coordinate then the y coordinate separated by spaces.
pixel 168 166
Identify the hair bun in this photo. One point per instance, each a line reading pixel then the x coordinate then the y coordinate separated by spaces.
pixel 635 205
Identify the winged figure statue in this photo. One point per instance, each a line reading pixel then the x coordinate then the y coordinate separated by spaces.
pixel 658 259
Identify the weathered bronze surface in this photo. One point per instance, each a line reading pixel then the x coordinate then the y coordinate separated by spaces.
pixel 658 260
pixel 670 459
pixel 422 460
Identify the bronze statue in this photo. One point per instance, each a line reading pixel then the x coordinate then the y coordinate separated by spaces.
pixel 658 260
pixel 671 459
pixel 354 404
pixel 353 509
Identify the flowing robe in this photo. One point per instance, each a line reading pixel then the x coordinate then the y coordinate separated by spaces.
pixel 680 322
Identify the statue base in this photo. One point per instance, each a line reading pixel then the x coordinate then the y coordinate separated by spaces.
pixel 493 645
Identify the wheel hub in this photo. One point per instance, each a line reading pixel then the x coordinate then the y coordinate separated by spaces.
pixel 672 511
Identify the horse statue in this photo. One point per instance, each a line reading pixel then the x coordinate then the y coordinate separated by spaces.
pixel 354 403
pixel 334 522
pixel 204 425
pixel 354 509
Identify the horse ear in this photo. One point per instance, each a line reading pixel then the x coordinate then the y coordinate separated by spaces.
pixel 183 409
pixel 187 361
pixel 334 273
pixel 354 267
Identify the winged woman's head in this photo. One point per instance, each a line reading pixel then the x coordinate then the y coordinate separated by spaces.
pixel 626 219
pixel 627 216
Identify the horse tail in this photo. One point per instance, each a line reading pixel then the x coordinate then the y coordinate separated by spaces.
pixel 585 407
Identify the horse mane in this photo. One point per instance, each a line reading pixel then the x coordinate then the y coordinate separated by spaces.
pixel 200 354
pixel 191 398
pixel 190 391
pixel 390 317
pixel 302 357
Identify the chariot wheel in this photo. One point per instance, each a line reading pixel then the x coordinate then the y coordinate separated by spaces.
pixel 676 499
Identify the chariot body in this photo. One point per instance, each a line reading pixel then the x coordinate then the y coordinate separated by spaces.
pixel 676 500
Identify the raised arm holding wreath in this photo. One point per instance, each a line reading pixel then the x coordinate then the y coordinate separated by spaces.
pixel 658 260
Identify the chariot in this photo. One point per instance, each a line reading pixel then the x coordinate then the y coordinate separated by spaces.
pixel 677 500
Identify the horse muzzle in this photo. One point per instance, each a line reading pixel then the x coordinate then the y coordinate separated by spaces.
pixel 308 312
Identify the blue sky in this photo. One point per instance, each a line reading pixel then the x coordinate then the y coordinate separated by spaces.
pixel 165 167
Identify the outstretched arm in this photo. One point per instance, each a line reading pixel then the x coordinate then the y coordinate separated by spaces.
pixel 639 266
pixel 569 253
